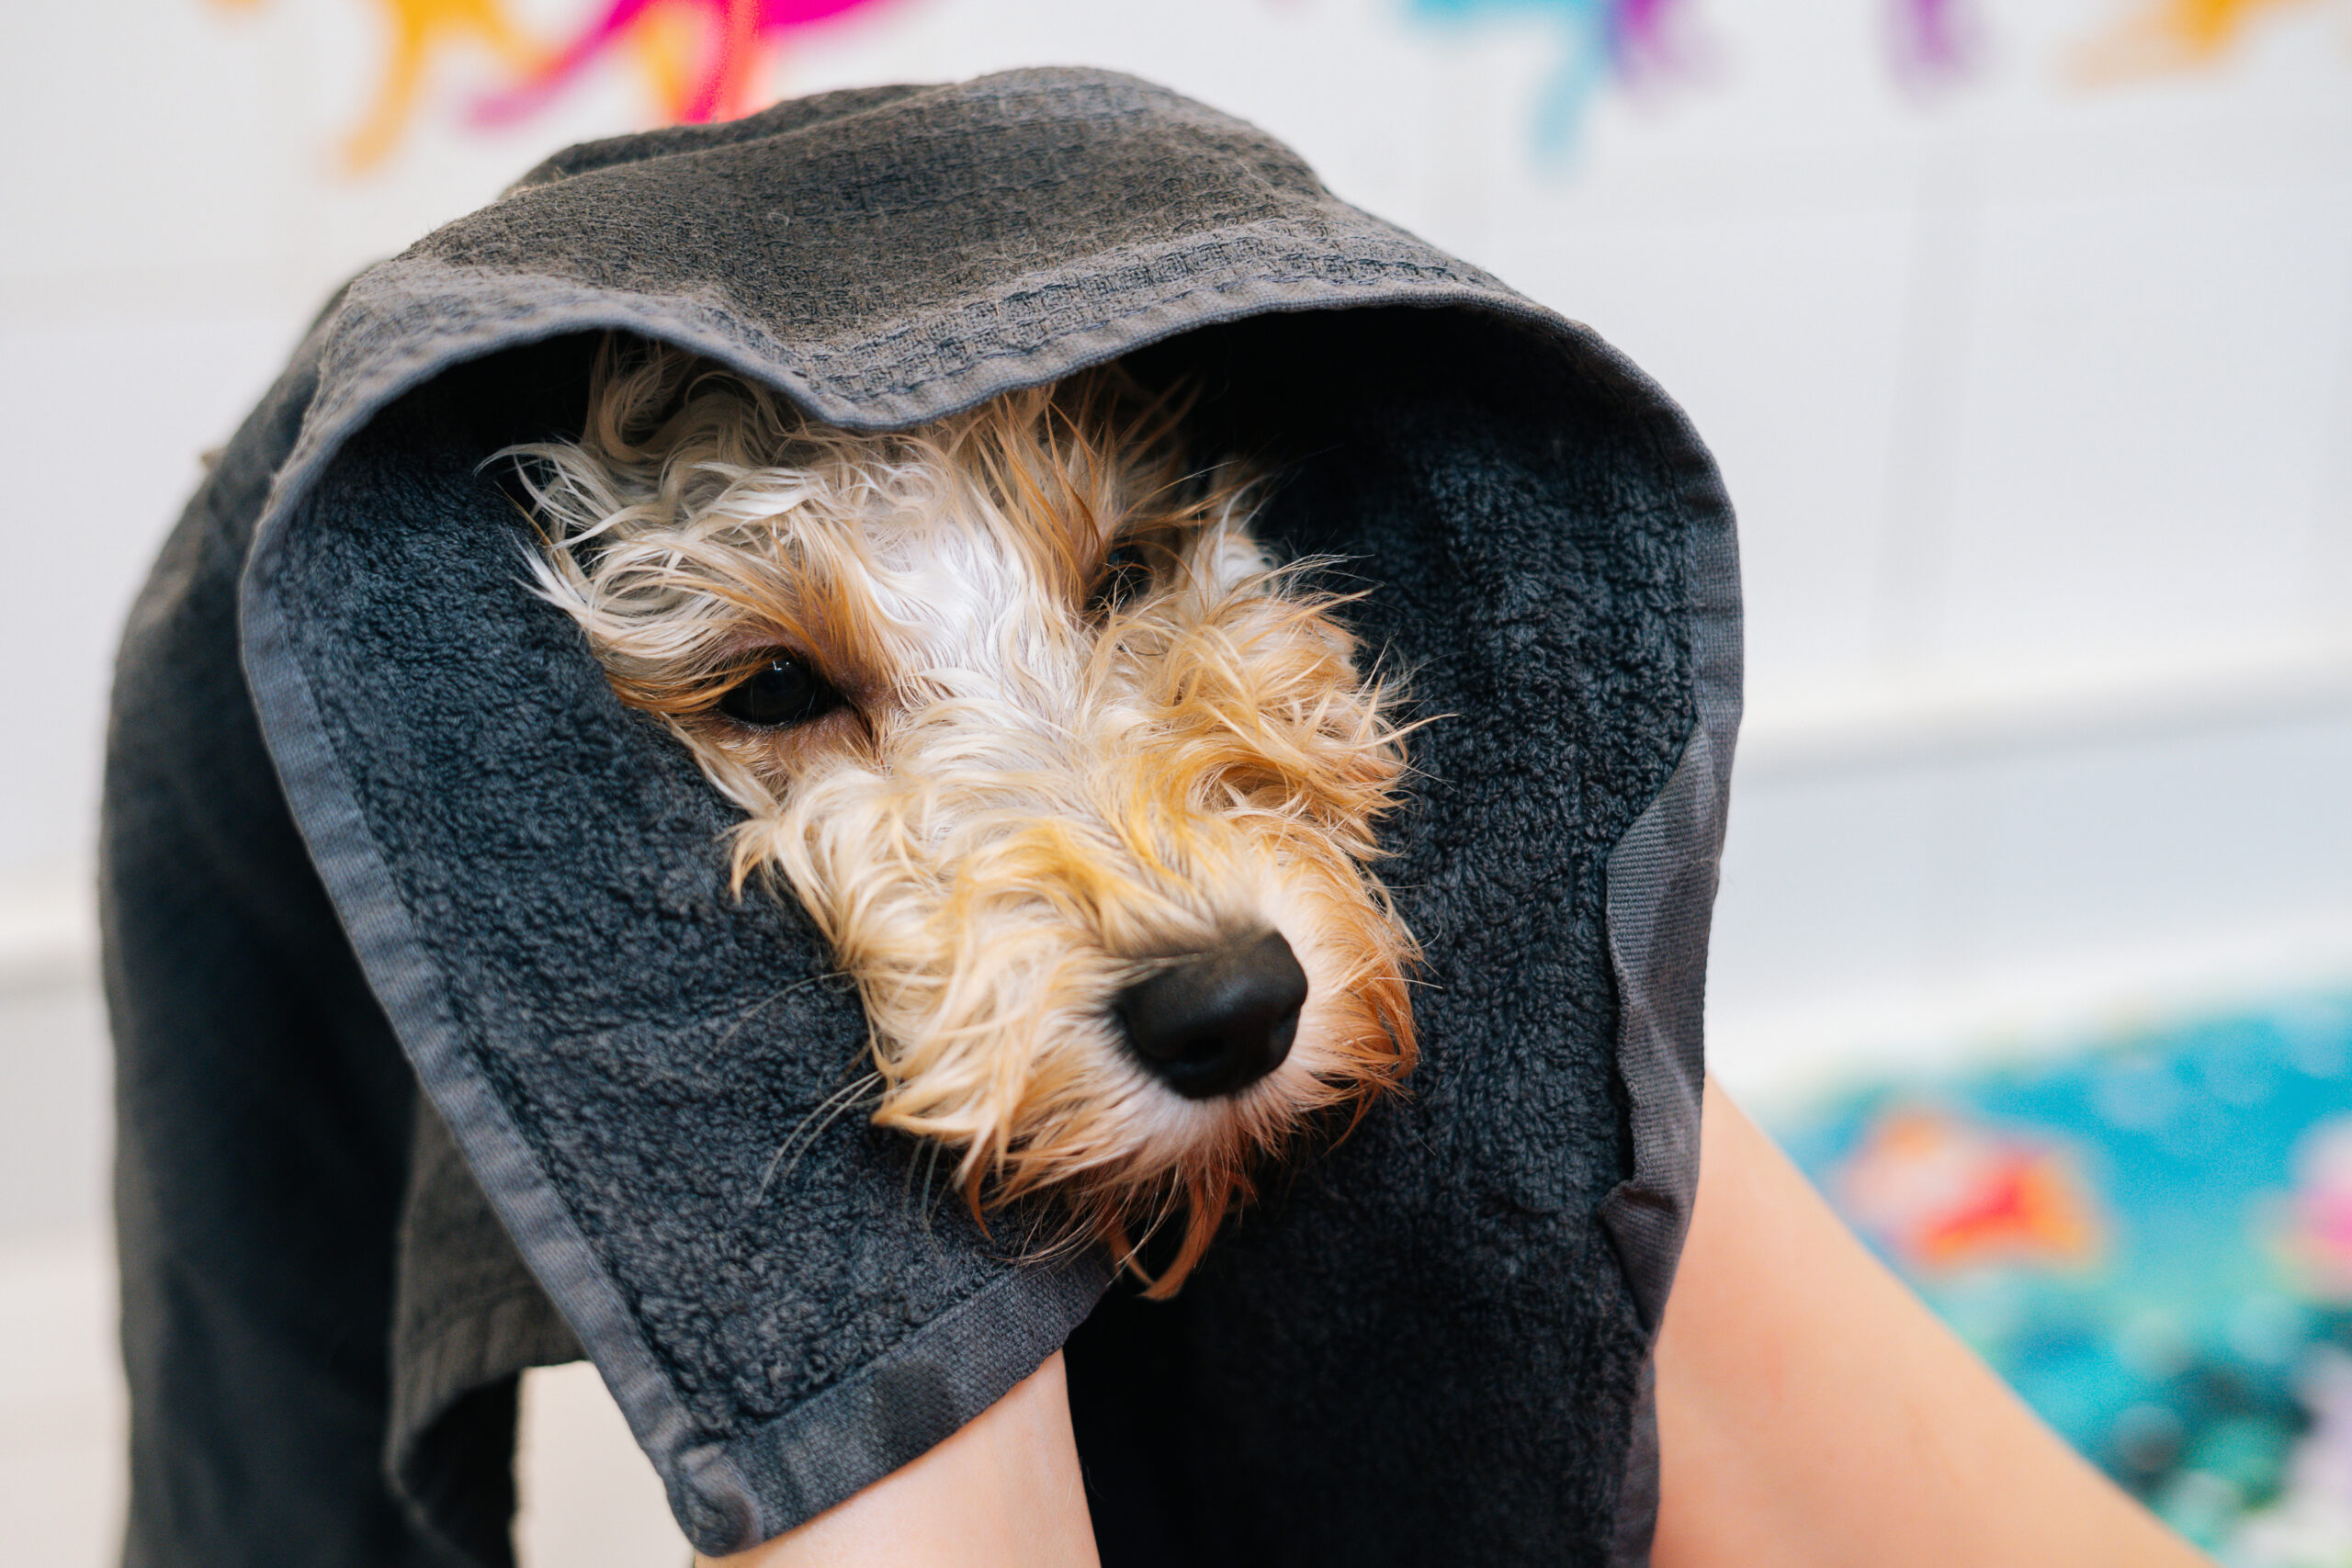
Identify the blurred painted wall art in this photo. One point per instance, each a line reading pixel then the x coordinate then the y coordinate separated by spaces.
pixel 1639 45
pixel 2158 35
pixel 705 57
pixel 701 59
pixel 704 60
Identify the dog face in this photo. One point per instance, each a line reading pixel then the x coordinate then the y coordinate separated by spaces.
pixel 1079 786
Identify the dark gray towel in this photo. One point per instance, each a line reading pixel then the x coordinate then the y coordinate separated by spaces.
pixel 1428 1344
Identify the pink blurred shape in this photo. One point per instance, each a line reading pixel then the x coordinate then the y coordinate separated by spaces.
pixel 736 35
pixel 1641 36
pixel 1933 41
pixel 2320 1237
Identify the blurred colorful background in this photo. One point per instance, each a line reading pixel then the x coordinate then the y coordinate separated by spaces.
pixel 2023 332
pixel 2150 1234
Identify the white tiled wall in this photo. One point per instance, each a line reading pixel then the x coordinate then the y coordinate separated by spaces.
pixel 2036 403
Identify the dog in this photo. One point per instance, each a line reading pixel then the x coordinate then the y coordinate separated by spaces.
pixel 1081 787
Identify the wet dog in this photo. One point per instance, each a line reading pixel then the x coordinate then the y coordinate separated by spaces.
pixel 1079 784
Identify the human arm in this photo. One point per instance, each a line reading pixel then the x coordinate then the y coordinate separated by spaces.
pixel 1812 1412
pixel 1003 1492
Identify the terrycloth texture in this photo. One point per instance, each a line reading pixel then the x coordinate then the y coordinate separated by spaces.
pixel 1428 1332
pixel 1428 1346
pixel 263 1106
pixel 467 1317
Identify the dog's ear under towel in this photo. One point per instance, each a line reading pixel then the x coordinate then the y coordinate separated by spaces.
pixel 448 1048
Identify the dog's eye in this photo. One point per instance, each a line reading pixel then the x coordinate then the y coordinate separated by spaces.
pixel 1126 574
pixel 786 690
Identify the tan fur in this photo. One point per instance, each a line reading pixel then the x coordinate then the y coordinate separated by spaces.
pixel 1033 795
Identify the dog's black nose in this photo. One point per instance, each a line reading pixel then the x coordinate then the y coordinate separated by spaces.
pixel 1217 1021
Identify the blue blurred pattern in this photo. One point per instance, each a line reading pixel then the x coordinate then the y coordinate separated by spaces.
pixel 1596 38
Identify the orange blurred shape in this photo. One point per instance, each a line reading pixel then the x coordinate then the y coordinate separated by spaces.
pixel 420 29
pixel 2028 1210
pixel 2171 35
pixel 668 46
pixel 1944 1193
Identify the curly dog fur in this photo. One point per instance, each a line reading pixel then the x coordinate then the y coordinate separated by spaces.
pixel 1024 717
